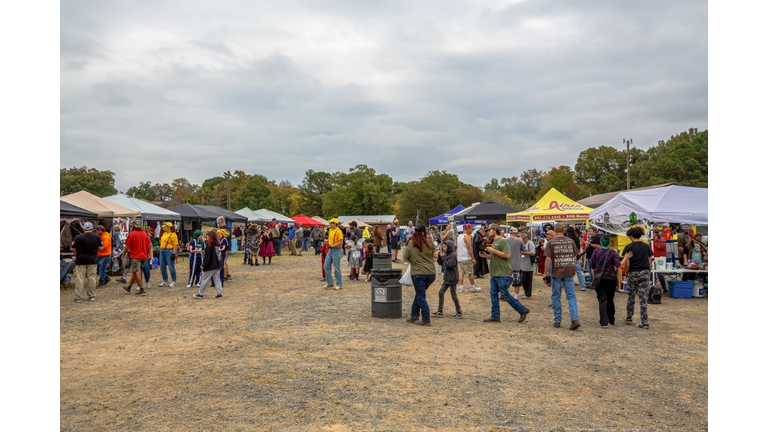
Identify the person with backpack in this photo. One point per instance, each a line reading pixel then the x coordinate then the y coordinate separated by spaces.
pixel 604 265
pixel 448 258
pixel 212 264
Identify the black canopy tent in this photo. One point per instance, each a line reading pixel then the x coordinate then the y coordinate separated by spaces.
pixel 193 216
pixel 486 210
pixel 70 211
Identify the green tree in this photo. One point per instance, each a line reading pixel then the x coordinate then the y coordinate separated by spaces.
pixel 254 194
pixel 562 179
pixel 601 169
pixel 281 196
pixel 163 192
pixel 359 192
pixel 183 191
pixel 143 191
pixel 312 188
pixel 434 194
pixel 682 159
pixel 99 183
pixel 212 182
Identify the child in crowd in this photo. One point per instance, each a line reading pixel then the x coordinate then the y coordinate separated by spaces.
pixel 368 261
pixel 323 252
pixel 448 258
pixel 354 246
pixel 195 248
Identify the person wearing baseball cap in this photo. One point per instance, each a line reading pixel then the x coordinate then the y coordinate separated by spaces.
pixel 169 250
pixel 501 275
pixel 86 247
pixel 335 253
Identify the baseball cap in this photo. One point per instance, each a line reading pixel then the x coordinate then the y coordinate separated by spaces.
pixel 513 229
pixel 333 220
pixel 136 224
pixel 168 224
pixel 88 226
pixel 420 228
pixel 493 226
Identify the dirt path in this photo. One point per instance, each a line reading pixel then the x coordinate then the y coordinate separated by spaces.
pixel 278 352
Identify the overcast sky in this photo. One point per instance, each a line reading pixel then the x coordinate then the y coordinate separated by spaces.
pixel 156 90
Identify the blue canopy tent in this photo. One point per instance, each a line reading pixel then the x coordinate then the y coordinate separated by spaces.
pixel 443 218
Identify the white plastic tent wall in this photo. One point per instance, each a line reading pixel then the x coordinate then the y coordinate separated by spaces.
pixel 671 204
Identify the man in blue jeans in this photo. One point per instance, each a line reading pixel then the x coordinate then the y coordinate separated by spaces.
pixel 501 275
pixel 335 253
pixel 561 251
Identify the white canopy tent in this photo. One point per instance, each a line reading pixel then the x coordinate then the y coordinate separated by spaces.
pixel 671 204
pixel 148 210
pixel 264 215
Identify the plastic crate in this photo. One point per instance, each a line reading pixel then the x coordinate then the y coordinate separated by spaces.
pixel 680 289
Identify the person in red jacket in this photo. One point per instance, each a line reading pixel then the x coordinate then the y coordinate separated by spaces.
pixel 138 247
pixel 323 252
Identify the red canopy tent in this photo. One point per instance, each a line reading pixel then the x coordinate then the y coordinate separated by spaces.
pixel 306 221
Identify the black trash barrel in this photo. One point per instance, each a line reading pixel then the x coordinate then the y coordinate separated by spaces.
pixel 386 293
pixel 382 261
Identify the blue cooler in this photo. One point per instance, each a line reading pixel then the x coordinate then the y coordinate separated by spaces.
pixel 680 289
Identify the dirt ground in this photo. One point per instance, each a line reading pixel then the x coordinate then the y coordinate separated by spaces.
pixel 280 353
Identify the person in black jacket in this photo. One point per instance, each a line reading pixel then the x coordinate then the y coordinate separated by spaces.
pixel 448 258
pixel 211 263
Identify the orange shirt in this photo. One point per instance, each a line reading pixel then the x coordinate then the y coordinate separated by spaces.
pixel 106 239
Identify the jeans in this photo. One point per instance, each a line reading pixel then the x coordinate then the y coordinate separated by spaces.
pixel 420 285
pixel 166 258
pixel 102 263
pixel 378 248
pixel 147 268
pixel 278 247
pixel 333 258
pixel 558 283
pixel 501 284
pixel 580 275
pixel 305 245
pixel 389 248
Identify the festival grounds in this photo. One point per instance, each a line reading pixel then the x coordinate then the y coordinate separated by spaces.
pixel 280 353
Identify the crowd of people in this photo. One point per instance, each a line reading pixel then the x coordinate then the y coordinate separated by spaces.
pixel 510 259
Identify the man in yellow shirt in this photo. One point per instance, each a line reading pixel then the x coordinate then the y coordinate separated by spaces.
pixel 169 250
pixel 336 252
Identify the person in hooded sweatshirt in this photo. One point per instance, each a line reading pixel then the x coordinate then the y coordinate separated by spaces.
pixel 448 258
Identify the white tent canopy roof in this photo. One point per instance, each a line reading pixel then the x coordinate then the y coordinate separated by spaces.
pixel 263 215
pixel 671 204
pixel 148 210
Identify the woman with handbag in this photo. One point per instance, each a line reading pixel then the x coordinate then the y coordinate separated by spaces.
pixel 420 253
pixel 605 263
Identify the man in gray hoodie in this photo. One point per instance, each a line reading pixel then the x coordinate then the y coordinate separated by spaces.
pixel 448 258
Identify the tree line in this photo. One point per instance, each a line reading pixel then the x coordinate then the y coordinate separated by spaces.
pixel 681 159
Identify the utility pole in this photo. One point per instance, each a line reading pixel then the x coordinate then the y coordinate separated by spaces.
pixel 628 141
pixel 228 176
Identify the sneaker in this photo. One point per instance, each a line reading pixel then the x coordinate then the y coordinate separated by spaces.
pixel 172 284
pixel 516 297
pixel 556 325
pixel 412 319
pixel 628 321
pixel 127 289
pixel 198 285
pixel 197 296
pixel 462 290
pixel 338 287
pixel 79 300
pixel 456 315
pixel 488 320
pixel 523 316
pixel 424 323
pixel 602 326
pixel 141 293
pixel 189 285
pixel 101 285
pixel 219 296
pixel 328 285
pixel 641 325
pixel 164 284
pixel 92 298
pixel 228 277
pixel 474 289
pixel 583 288
pixel 574 325
pixel 437 314
pixel 121 280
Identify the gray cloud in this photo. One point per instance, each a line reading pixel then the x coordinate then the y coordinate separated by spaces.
pixel 153 91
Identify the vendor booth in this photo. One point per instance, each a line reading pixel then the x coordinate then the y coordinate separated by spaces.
pixel 478 212
pixel 194 216
pixel 306 221
pixel 263 215
pixel 553 206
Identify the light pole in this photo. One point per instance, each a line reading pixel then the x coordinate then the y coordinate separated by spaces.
pixel 628 141
pixel 228 176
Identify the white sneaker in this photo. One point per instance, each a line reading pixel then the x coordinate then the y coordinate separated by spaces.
pixel 164 284
pixel 515 296
pixel 189 285
pixel 172 284
pixel 474 289
pixel 462 290
pixel 328 285
pixel 338 287
pixel 198 285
